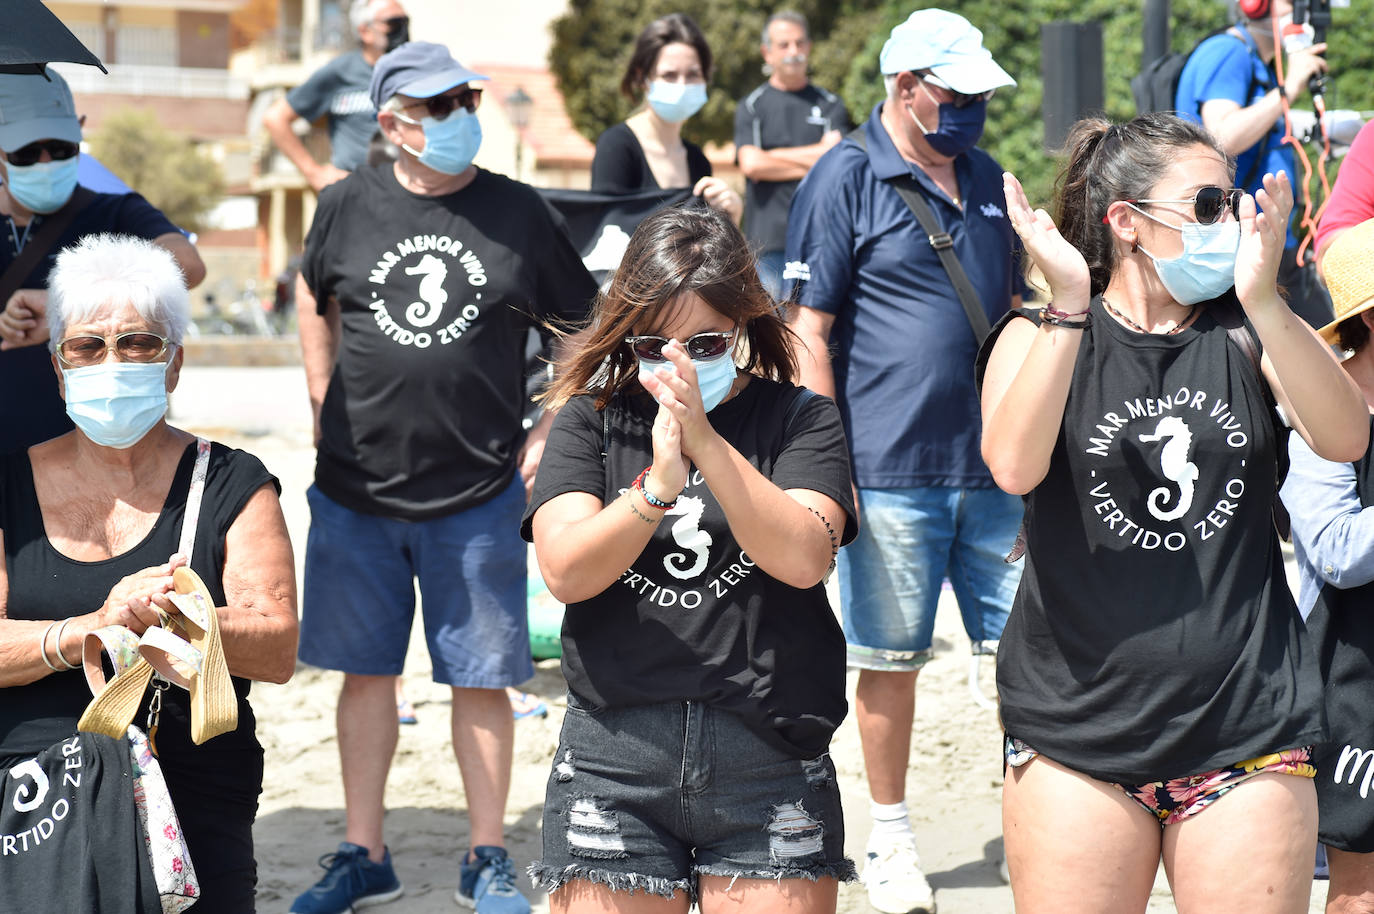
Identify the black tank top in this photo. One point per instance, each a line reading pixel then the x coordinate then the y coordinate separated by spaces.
pixel 1153 634
pixel 1344 633
pixel 44 584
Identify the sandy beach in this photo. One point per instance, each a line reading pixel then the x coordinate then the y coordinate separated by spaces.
pixel 958 772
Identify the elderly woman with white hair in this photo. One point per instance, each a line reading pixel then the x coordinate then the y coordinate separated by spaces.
pixel 92 525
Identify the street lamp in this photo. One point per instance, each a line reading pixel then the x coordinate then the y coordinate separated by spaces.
pixel 519 106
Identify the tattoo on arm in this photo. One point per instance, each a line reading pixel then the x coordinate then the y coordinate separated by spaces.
pixel 638 513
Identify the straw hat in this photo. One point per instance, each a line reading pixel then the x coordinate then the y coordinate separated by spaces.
pixel 1348 266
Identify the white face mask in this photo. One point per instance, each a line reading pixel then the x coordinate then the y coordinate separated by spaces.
pixel 116 403
pixel 1207 266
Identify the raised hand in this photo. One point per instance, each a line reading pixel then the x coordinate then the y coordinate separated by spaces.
pixel 1263 231
pixel 674 386
pixel 1061 263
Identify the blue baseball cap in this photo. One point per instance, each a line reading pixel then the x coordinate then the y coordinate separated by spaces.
pixel 419 69
pixel 949 47
pixel 36 107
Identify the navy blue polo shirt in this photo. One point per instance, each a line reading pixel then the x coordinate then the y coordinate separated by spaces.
pixel 904 350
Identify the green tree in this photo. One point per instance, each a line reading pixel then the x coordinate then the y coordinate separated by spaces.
pixel 166 167
pixel 592 45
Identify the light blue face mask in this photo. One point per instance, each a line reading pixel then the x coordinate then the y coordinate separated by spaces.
pixel 43 187
pixel 675 102
pixel 715 377
pixel 116 403
pixel 1207 266
pixel 450 144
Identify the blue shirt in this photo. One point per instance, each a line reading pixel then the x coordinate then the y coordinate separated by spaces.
pixel 1333 534
pixel 1228 67
pixel 904 348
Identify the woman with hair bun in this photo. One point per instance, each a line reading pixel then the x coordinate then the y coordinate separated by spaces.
pixel 668 71
pixel 1159 694
pixel 688 509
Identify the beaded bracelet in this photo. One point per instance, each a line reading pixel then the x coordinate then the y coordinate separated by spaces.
pixel 653 500
pixel 1077 320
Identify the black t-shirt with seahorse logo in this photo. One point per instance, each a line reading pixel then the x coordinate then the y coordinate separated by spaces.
pixel 694 618
pixel 1153 634
pixel 436 297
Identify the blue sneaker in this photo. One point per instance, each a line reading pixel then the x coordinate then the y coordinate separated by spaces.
pixel 487 884
pixel 350 881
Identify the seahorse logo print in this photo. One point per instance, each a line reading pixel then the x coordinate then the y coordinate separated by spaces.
pixel 28 797
pixel 687 533
pixel 1173 459
pixel 432 295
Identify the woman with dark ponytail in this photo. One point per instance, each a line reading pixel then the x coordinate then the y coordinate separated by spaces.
pixel 1154 661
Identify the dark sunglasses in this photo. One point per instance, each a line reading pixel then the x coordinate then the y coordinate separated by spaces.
pixel 441 106
pixel 131 346
pixel 33 152
pixel 1208 203
pixel 710 345
pixel 957 99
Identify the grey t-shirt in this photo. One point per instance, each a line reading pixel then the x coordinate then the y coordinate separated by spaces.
pixel 339 89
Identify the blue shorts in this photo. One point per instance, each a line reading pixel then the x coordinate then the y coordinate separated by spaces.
pixel 909 541
pixel 649 798
pixel 359 599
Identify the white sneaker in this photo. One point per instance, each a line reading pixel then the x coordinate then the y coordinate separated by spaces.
pixel 895 882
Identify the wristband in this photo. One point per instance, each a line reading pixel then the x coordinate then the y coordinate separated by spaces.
pixel 1077 320
pixel 653 500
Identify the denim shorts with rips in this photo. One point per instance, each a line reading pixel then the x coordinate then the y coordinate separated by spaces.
pixel 649 798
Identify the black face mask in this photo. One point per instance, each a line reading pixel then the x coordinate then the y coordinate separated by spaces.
pixel 397 31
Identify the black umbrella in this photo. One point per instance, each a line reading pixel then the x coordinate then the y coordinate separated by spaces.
pixel 32 36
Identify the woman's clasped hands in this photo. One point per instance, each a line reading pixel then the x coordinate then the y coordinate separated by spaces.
pixel 682 433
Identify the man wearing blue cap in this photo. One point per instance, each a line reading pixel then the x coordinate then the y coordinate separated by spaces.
pixel 419 281
pixel 877 286
pixel 40 138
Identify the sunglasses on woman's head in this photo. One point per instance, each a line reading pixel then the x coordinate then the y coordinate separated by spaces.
pixel 709 345
pixel 33 152
pixel 1208 203
pixel 441 106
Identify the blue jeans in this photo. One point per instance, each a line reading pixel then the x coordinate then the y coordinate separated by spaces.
pixel 649 798
pixel 770 273
pixel 360 573
pixel 910 540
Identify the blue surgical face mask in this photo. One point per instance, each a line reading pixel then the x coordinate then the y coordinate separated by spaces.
pixel 116 403
pixel 450 144
pixel 1207 266
pixel 675 102
pixel 958 130
pixel 43 187
pixel 715 377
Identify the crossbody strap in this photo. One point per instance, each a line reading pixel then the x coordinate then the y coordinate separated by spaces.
pixel 42 243
pixel 941 242
pixel 194 498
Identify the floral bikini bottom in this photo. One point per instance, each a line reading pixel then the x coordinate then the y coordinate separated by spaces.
pixel 1178 798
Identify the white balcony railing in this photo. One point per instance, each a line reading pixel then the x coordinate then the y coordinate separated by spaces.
pixel 131 79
